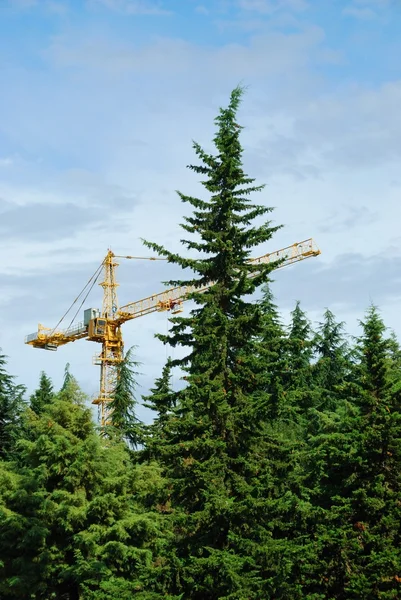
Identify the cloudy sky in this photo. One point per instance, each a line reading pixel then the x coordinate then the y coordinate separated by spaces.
pixel 99 103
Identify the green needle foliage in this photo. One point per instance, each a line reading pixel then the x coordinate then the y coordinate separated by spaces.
pixel 122 408
pixel 297 379
pixel 162 400
pixel 74 511
pixel 43 395
pixel 213 445
pixel 332 371
pixel 11 407
pixel 333 360
pixel 273 353
pixel 300 348
pixel 356 471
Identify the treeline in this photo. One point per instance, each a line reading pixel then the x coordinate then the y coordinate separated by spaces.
pixel 273 473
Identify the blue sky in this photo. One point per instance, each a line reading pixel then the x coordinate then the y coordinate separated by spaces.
pixel 99 103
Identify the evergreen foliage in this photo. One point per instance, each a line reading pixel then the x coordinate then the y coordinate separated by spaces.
pixel 162 400
pixel 332 371
pixel 273 353
pixel 43 395
pixel 122 407
pixel 300 349
pixel 68 377
pixel 11 407
pixel 355 464
pixel 297 379
pixel 214 445
pixel 333 361
pixel 75 518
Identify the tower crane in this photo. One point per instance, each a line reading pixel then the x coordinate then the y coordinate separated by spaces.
pixel 104 326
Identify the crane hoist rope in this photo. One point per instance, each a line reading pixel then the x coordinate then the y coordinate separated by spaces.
pixel 104 326
pixel 92 279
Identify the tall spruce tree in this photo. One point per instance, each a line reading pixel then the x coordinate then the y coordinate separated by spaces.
pixel 122 408
pixel 332 370
pixel 11 407
pixel 68 377
pixel 75 518
pixel 43 395
pixel 394 356
pixel 162 401
pixel 214 448
pixel 356 463
pixel 300 346
pixel 298 373
pixel 273 352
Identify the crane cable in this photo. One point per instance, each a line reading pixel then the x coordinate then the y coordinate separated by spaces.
pixel 94 277
pixel 83 301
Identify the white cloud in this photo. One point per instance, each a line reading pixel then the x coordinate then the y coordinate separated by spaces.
pixel 359 13
pixel 202 10
pixel 131 7
pixel 266 54
pixel 366 10
pixel 269 7
pixel 6 161
pixel 56 7
pixel 23 4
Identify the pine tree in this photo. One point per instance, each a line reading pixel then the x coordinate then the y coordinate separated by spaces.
pixel 11 407
pixel 67 377
pixel 356 469
pixel 214 448
pixel 162 401
pixel 122 407
pixel 297 378
pixel 333 362
pixel 43 395
pixel 300 346
pixel 74 511
pixel 394 357
pixel 332 370
pixel 272 349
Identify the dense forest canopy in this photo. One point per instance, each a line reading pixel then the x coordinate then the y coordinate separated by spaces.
pixel 273 472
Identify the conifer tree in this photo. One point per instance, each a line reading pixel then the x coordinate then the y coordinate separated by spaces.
pixel 11 406
pixel 214 449
pixel 298 375
pixel 332 371
pixel 332 355
pixel 394 357
pixel 43 395
pixel 161 394
pixel 162 401
pixel 300 344
pixel 272 349
pixel 67 377
pixel 122 407
pixel 74 511
pixel 356 464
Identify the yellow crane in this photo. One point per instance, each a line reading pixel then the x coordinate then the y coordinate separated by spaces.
pixel 104 326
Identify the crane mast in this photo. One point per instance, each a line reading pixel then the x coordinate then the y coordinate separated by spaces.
pixel 107 331
pixel 104 326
